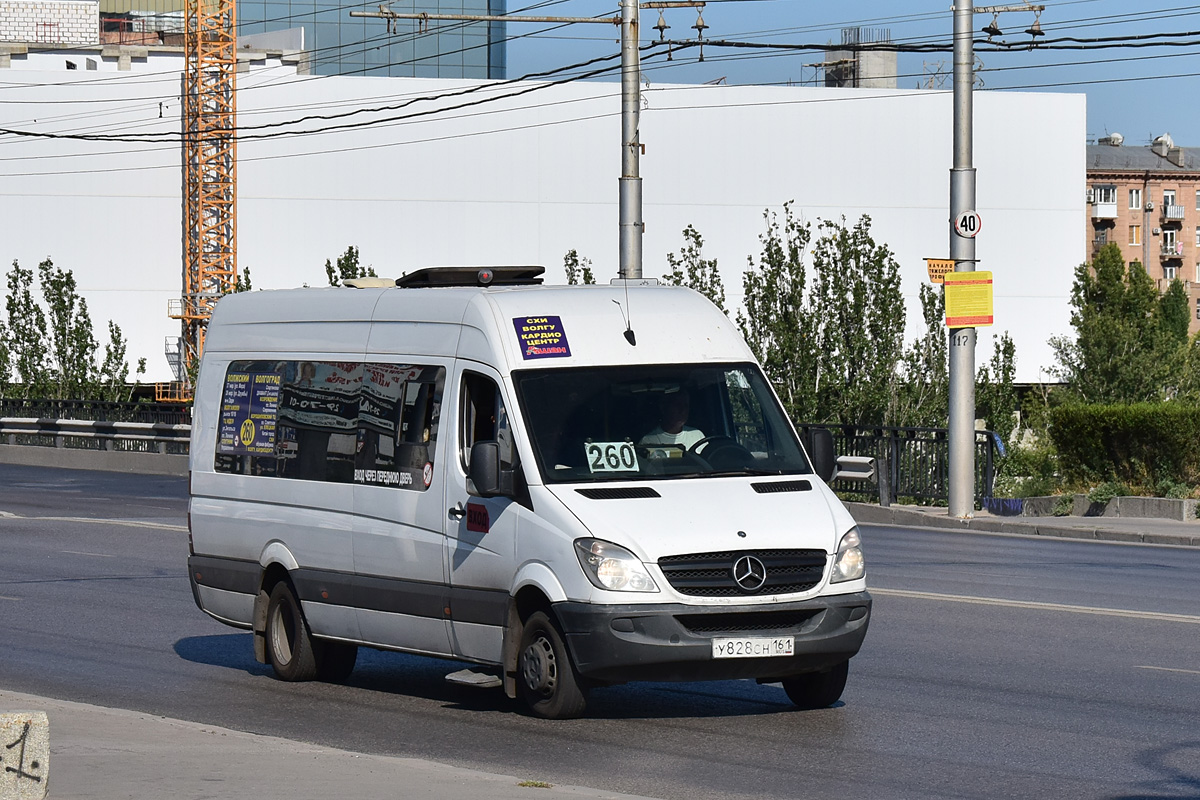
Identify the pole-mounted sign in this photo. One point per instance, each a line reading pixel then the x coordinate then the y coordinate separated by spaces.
pixel 968 224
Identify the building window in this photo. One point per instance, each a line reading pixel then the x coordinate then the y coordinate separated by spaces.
pixel 1198 199
pixel 1106 194
pixel 1169 273
pixel 1135 234
pixel 1198 236
pixel 1168 197
pixel 1135 199
pixel 1198 308
pixel 1169 243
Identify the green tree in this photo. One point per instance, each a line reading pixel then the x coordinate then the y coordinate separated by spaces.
pixel 29 354
pixel 114 372
pixel 995 395
pixel 1129 343
pixel 4 361
pixel 773 320
pixel 72 343
pixel 347 267
pixel 921 397
pixel 243 280
pixel 859 315
pixel 692 270
pixel 578 269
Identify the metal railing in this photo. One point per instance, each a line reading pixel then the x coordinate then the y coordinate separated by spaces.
pixel 97 411
pixel 143 437
pixel 913 463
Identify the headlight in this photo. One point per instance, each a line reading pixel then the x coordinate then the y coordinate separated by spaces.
pixel 611 567
pixel 849 564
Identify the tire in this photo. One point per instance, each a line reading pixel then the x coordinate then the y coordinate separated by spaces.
pixel 817 689
pixel 335 660
pixel 546 679
pixel 290 648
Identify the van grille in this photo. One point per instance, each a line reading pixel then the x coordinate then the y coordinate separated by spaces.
pixel 745 622
pixel 711 574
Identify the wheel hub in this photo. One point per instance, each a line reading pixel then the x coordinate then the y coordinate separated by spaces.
pixel 538 667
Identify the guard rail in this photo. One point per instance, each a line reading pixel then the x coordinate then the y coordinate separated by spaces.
pixel 159 434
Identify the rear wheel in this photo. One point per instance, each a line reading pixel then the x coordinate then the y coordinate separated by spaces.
pixel 289 641
pixel 817 689
pixel 546 679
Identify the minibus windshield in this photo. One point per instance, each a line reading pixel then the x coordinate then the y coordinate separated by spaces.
pixel 659 421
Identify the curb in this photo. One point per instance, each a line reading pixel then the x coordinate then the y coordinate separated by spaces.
pixel 1062 528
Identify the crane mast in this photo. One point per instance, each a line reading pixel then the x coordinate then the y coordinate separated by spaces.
pixel 209 179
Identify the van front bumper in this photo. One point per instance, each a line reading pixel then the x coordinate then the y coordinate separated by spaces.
pixel 673 642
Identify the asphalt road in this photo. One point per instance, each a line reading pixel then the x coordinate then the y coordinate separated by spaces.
pixel 996 666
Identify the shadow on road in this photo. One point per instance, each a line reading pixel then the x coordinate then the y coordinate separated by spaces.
pixel 232 650
pixel 404 675
pixel 1178 767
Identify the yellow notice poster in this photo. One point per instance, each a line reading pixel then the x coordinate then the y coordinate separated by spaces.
pixel 968 299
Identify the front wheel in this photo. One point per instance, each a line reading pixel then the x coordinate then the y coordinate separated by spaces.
pixel 817 689
pixel 546 679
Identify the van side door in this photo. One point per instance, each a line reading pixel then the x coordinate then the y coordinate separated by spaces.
pixel 399 556
pixel 480 531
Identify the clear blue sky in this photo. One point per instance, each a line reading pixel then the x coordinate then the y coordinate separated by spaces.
pixel 1140 93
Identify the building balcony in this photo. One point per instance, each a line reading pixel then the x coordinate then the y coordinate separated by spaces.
pixel 1104 210
pixel 1171 252
pixel 1172 213
pixel 1099 242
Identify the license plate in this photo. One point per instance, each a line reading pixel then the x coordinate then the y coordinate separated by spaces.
pixel 754 647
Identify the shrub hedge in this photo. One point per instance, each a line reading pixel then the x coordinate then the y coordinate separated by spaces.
pixel 1141 444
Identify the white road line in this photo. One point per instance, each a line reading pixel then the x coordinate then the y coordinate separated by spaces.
pixel 130 523
pixel 994 601
pixel 81 553
pixel 6 597
pixel 1171 669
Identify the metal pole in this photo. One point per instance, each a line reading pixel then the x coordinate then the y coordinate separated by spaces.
pixel 962 251
pixel 631 182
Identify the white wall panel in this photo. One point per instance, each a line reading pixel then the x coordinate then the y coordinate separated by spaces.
pixel 537 175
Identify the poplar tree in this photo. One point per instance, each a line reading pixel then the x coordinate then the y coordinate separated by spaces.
pixel 578 269
pixel 346 268
pixel 26 335
pixel 72 343
pixel 692 270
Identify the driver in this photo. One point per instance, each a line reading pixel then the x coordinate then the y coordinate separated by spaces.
pixel 672 428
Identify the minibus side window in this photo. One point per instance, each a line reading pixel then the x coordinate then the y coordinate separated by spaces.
pixel 484 419
pixel 331 421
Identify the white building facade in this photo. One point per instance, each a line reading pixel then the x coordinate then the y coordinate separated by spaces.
pixel 522 180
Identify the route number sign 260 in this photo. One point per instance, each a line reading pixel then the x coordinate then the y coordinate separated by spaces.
pixel 611 457
pixel 968 224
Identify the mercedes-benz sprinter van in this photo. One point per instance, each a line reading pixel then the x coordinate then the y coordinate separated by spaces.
pixel 571 486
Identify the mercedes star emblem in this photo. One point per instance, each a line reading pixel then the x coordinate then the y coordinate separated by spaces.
pixel 750 573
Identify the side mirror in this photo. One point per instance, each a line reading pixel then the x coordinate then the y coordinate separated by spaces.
pixel 485 476
pixel 820 450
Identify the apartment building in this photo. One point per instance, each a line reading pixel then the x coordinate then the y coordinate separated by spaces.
pixel 1147 200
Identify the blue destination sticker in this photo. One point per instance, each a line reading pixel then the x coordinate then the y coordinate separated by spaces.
pixel 542 337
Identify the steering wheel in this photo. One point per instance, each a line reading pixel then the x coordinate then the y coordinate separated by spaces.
pixel 722 452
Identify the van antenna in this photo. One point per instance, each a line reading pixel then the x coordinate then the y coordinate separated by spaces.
pixel 629 335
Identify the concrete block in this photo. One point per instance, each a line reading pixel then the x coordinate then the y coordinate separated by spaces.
pixel 24 755
pixel 1181 540
pixel 1119 536
pixel 1039 506
pixel 1082 507
pixel 1066 532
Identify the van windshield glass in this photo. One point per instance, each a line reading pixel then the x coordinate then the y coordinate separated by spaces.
pixel 660 421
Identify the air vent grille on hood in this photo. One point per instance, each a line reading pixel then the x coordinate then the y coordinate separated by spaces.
pixel 619 493
pixel 782 486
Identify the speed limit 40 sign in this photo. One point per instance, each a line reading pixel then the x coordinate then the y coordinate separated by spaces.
pixel 967 224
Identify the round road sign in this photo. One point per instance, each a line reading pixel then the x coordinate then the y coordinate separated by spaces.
pixel 968 224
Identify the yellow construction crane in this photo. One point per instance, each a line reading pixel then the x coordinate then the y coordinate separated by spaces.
pixel 209 180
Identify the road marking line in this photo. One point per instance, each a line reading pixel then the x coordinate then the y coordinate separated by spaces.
pixel 131 523
pixel 995 601
pixel 1171 669
pixel 81 553
pixel 6 597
